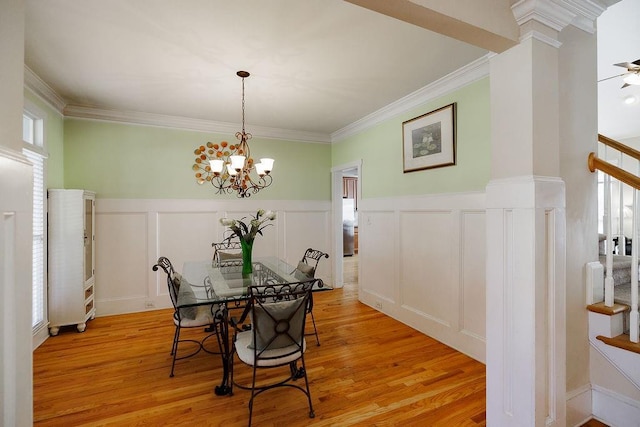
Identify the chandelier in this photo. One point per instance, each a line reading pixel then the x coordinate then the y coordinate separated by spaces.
pixel 228 167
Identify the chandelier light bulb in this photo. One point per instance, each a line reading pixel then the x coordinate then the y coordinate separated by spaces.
pixel 237 162
pixel 216 165
pixel 267 164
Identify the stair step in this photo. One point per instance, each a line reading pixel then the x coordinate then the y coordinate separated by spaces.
pixel 621 341
pixel 616 308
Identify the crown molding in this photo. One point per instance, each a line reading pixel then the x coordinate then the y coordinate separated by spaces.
pixel 42 90
pixel 160 120
pixel 586 11
pixel 546 12
pixel 537 35
pixel 557 14
pixel 466 75
pixel 463 76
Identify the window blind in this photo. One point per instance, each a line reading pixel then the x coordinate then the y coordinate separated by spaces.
pixel 39 253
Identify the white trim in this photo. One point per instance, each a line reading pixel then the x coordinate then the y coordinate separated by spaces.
pixel 14 156
pixel 579 405
pixel 557 14
pixel 587 12
pixel 463 76
pixel 336 208
pixel 160 120
pixel 456 80
pixel 42 90
pixel 614 409
pixel 547 12
pixel 537 35
pixel 39 116
pixel 623 361
pixel 40 335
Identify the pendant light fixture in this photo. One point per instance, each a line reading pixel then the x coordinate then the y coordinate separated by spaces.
pixel 228 167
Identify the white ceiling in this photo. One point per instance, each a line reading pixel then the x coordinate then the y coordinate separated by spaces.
pixel 618 41
pixel 316 65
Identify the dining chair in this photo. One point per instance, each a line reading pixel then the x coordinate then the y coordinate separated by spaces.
pixel 308 266
pixel 227 253
pixel 276 338
pixel 191 316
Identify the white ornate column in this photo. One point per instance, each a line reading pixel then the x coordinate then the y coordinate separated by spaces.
pixel 526 221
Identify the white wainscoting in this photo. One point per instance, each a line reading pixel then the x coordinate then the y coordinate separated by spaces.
pixel 16 221
pixel 422 261
pixel 131 234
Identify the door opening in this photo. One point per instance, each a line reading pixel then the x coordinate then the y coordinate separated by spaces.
pixel 345 198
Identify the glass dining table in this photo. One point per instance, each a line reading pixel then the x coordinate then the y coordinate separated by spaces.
pixel 225 288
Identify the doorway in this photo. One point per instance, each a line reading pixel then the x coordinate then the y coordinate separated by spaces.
pixel 346 190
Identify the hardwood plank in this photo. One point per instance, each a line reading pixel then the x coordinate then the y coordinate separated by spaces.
pixel 369 370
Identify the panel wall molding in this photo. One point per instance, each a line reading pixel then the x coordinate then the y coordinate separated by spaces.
pixel 422 262
pixel 132 233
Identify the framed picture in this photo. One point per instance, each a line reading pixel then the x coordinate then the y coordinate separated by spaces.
pixel 429 141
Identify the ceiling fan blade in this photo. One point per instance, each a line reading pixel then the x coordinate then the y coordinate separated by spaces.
pixel 630 66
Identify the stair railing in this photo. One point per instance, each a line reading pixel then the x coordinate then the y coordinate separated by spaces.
pixel 611 171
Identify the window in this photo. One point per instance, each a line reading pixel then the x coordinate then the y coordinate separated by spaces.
pixel 33 137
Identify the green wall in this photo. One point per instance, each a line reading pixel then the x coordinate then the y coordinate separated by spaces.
pixel 380 149
pixel 145 162
pixel 130 161
pixel 54 141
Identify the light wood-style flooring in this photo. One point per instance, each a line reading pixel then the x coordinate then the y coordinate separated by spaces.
pixel 369 370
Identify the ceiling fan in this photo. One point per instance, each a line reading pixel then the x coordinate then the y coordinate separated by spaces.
pixel 631 77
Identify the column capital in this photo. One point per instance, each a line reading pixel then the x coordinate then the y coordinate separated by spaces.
pixel 557 14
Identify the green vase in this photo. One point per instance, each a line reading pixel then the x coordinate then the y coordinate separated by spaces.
pixel 247 266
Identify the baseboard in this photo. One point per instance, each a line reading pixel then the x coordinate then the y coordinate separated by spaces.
pixel 579 403
pixel 614 409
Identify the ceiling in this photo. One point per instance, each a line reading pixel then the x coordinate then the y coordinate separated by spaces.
pixel 316 65
pixel 618 41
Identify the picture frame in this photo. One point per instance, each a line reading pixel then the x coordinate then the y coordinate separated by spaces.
pixel 429 140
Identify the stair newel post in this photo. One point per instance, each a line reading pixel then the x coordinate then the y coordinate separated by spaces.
pixel 608 280
pixel 633 315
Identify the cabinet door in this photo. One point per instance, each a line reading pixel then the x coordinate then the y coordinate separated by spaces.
pixel 350 189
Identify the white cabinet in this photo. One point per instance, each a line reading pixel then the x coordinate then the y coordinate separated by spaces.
pixel 71 259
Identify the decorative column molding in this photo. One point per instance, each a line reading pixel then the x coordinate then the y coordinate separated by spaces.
pixel 557 14
pixel 526 302
pixel 546 12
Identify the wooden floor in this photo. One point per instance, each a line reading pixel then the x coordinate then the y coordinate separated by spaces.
pixel 369 370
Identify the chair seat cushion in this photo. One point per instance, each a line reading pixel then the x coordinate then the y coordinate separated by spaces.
pixel 228 256
pixel 275 357
pixel 203 317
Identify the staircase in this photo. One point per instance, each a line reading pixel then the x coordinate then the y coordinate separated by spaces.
pixel 612 282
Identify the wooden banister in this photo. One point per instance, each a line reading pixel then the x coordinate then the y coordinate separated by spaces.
pixel 619 146
pixel 620 174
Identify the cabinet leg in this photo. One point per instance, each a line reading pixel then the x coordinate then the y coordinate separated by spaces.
pixel 54 331
pixel 81 327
